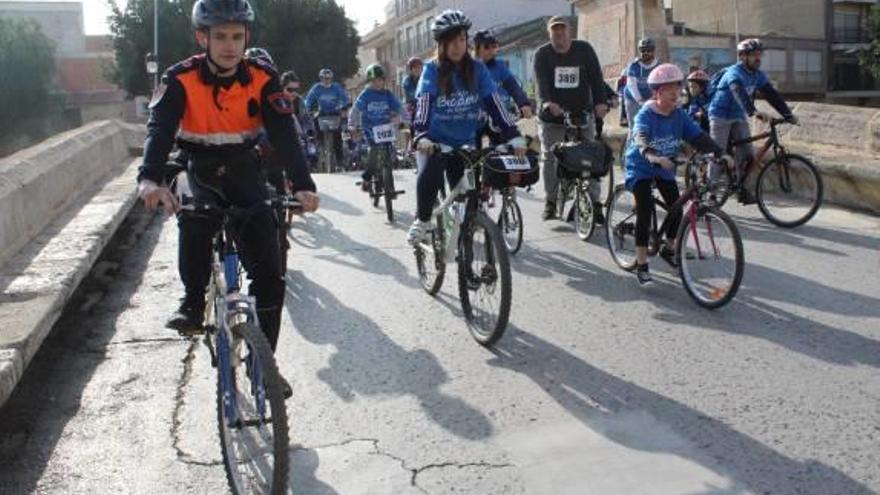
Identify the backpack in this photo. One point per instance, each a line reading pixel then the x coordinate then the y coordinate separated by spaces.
pixel 714 82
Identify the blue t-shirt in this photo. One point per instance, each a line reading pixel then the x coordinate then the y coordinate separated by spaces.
pixel 665 135
pixel 329 99
pixel 376 107
pixel 500 73
pixel 410 84
pixel 698 104
pixel 455 118
pixel 639 73
pixel 724 105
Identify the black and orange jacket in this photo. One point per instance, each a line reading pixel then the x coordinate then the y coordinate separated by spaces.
pixel 220 116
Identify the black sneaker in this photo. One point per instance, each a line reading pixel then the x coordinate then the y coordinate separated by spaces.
pixel 187 319
pixel 644 275
pixel 668 254
pixel 598 216
pixel 285 388
pixel 549 211
pixel 746 197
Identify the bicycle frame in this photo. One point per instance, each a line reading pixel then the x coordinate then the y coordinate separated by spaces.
pixel 468 186
pixel 771 140
pixel 691 198
pixel 227 307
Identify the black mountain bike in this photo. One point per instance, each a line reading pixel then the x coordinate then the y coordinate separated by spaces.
pixel 789 188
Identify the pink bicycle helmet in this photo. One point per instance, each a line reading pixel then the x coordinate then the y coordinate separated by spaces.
pixel 665 74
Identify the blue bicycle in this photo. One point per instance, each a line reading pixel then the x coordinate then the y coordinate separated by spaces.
pixel 250 400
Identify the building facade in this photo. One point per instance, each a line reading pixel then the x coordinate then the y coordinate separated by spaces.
pixel 406 31
pixel 80 60
pixel 812 45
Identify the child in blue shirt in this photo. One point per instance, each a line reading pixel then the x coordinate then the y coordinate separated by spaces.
pixel 658 132
pixel 486 50
pixel 374 107
pixel 329 98
pixel 699 98
pixel 453 91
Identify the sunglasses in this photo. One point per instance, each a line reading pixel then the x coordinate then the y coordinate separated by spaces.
pixel 290 89
pixel 646 51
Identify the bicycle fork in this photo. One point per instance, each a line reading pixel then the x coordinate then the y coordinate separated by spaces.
pixel 692 217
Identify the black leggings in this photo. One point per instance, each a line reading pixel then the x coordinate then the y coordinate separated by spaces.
pixel 431 180
pixel 645 208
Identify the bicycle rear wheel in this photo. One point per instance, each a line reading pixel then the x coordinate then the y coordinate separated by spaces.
pixel 709 255
pixel 251 414
pixel 620 228
pixel 376 178
pixel 510 223
pixel 431 259
pixel 484 284
pixel 789 191
pixel 388 186
pixel 584 216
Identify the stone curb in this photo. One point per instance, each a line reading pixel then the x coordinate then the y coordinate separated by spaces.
pixel 37 283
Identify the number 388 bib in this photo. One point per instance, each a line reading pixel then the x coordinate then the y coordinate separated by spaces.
pixel 568 77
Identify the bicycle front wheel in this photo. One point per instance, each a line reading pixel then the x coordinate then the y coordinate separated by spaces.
pixel 251 414
pixel 431 259
pixel 510 224
pixel 620 227
pixel 484 284
pixel 584 216
pixel 789 191
pixel 709 255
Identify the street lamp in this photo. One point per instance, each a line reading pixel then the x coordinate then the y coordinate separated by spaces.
pixel 156 42
pixel 152 67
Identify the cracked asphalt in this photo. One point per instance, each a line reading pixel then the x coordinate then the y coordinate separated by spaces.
pixel 598 386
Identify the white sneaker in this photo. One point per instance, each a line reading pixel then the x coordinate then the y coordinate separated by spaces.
pixel 417 232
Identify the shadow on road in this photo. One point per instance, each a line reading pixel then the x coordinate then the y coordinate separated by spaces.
pixel 592 396
pixel 367 362
pixel 750 314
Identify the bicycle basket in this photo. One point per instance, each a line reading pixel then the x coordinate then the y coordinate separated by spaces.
pixel 328 122
pixel 579 159
pixel 506 170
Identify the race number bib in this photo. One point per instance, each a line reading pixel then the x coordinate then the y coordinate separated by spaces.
pixel 383 133
pixel 568 77
pixel 512 162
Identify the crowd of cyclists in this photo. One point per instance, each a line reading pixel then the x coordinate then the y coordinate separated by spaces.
pixel 237 123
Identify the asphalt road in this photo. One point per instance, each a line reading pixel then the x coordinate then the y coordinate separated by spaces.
pixel 598 386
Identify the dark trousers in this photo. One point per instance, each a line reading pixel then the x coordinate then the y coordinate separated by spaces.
pixel 431 180
pixel 645 208
pixel 235 182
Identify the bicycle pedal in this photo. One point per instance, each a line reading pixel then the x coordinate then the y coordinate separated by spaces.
pixel 192 332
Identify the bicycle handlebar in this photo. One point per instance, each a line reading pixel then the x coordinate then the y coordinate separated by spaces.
pixel 286 202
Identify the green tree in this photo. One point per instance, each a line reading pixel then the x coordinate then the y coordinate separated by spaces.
pixel 132 33
pixel 306 36
pixel 870 56
pixel 26 81
pixel 303 35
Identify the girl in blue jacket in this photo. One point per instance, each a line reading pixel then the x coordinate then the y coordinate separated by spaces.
pixel 453 90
